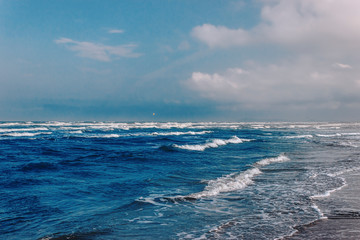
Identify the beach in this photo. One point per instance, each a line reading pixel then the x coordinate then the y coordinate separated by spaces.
pixel 343 221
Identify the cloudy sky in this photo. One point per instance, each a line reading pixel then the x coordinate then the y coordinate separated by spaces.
pixel 218 60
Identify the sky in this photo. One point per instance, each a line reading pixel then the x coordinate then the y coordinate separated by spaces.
pixel 180 60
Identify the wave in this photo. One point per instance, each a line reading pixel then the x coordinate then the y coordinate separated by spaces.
pixel 212 144
pixel 329 135
pixel 351 134
pixel 166 134
pixel 76 132
pixel 103 136
pixel 24 134
pixel 328 193
pixel 267 161
pixel 228 183
pixel 23 129
pixel 348 144
pixel 235 181
pixel 179 133
pixel 299 136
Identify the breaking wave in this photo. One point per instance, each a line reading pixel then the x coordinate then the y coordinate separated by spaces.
pixel 4 130
pixel 179 133
pixel 267 161
pixel 299 136
pixel 235 181
pixel 214 143
pixel 228 183
pixel 24 134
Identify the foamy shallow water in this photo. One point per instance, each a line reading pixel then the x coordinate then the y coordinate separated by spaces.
pixel 110 180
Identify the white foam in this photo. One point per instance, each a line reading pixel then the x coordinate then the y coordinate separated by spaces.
pixel 351 134
pixel 328 193
pixel 150 200
pixel 299 136
pixel 227 183
pixel 267 161
pixel 329 135
pixel 318 210
pixel 343 172
pixel 235 181
pixel 214 143
pixel 106 136
pixel 23 129
pixel 25 134
pixel 76 132
pixel 348 144
pixel 73 128
pixel 325 195
pixel 179 133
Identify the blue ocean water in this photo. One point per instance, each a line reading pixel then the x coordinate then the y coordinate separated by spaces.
pixel 108 180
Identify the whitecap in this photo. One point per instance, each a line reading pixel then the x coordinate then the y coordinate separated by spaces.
pixel 179 133
pixel 214 143
pixel 267 161
pixel 23 129
pixel 228 183
pixel 105 136
pixel 25 134
pixel 299 136
pixel 76 132
pixel 329 135
pixel 348 144
pixel 235 181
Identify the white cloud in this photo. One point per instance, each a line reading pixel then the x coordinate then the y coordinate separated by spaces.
pixel 114 31
pixel 98 51
pixel 315 39
pixel 297 24
pixel 303 82
pixel 220 36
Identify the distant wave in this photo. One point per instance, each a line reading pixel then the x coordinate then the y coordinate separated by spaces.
pixel 166 133
pixel 300 136
pixel 179 133
pixel 76 132
pixel 235 181
pixel 329 135
pixel 23 129
pixel 211 144
pixel 102 136
pixel 24 134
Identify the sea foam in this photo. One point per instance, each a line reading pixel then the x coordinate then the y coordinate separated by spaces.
pixel 267 161
pixel 25 134
pixel 228 183
pixel 4 130
pixel 236 181
pixel 214 143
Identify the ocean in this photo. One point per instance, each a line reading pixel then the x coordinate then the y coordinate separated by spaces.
pixel 157 180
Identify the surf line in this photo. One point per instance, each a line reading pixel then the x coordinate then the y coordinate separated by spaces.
pixel 214 143
pixel 234 181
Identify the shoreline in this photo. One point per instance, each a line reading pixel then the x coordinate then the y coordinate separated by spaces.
pixel 342 215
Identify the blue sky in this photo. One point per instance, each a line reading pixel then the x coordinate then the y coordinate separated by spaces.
pixel 182 60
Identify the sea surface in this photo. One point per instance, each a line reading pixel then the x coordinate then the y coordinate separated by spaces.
pixel 152 180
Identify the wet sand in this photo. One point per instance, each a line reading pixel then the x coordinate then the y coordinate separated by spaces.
pixel 342 210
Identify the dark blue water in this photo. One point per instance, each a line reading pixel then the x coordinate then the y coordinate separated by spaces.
pixel 78 180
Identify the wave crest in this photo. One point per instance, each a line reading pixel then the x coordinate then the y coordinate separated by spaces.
pixel 228 183
pixel 267 161
pixel 211 144
pixel 235 181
